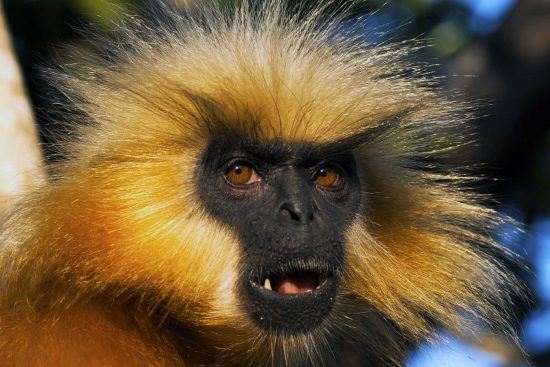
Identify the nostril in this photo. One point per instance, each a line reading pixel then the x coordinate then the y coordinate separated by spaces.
pixel 290 214
pixel 295 214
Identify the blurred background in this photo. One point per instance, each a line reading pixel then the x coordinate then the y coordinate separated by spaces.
pixel 496 51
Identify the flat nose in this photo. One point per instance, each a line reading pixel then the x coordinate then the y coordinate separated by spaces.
pixel 296 206
pixel 296 213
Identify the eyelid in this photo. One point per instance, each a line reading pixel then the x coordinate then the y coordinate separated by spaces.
pixel 234 160
pixel 329 164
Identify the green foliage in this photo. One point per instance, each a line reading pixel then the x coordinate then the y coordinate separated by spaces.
pixel 104 13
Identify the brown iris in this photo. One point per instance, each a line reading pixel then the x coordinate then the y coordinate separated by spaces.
pixel 241 173
pixel 328 177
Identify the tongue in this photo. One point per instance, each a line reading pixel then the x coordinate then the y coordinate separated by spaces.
pixel 301 282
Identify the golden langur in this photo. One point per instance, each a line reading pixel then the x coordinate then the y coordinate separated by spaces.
pixel 254 188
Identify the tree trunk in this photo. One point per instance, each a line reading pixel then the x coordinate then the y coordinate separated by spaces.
pixel 21 164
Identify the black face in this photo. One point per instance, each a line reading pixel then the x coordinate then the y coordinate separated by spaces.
pixel 290 204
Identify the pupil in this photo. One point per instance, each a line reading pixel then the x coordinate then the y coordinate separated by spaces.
pixel 238 170
pixel 323 172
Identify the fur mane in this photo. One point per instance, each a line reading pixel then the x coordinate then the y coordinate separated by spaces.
pixel 123 215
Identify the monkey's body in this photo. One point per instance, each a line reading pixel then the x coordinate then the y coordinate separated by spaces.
pixel 143 251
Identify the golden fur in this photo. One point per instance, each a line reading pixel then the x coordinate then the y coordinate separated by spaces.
pixel 100 264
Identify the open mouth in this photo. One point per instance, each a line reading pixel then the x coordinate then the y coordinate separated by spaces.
pixel 292 300
pixel 295 281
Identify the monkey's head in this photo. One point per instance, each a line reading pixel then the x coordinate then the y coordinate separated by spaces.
pixel 275 185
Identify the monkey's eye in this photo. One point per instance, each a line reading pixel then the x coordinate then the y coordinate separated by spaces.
pixel 241 173
pixel 329 178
